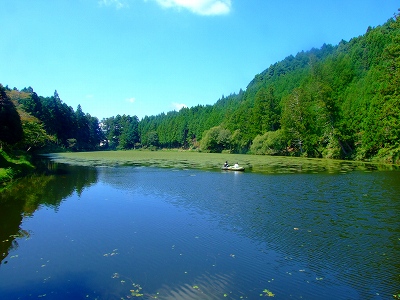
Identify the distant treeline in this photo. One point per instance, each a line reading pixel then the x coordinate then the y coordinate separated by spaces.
pixel 337 102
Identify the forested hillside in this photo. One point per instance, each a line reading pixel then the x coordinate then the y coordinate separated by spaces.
pixel 336 102
pixel 46 121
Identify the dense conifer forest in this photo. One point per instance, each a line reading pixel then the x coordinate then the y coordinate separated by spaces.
pixel 336 102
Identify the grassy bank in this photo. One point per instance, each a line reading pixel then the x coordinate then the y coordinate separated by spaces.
pixel 13 165
pixel 212 161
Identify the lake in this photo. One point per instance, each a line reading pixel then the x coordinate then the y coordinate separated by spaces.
pixel 147 232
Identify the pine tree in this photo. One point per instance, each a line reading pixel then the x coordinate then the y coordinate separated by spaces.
pixel 10 121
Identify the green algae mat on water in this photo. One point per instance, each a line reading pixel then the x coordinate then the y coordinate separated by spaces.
pixel 214 161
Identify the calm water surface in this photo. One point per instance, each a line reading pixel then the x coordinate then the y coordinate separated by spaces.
pixel 145 232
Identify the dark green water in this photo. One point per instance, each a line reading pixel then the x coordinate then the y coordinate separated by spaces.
pixel 146 232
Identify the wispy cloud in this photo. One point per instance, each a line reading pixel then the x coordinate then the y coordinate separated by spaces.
pixel 178 106
pixel 117 3
pixel 201 7
pixel 131 100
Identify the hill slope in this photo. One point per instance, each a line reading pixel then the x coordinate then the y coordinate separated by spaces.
pixel 337 101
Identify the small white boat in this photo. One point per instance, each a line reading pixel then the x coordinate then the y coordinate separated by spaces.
pixel 232 168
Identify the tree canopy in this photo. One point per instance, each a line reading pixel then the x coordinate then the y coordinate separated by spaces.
pixel 10 121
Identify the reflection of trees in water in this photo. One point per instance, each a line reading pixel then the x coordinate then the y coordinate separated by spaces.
pixel 27 194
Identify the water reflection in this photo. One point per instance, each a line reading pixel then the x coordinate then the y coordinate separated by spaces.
pixel 26 195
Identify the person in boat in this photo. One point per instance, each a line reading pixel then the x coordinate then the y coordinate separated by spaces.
pixel 236 165
pixel 226 164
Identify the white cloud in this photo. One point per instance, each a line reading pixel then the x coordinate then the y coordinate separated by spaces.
pixel 131 100
pixel 117 3
pixel 178 106
pixel 201 7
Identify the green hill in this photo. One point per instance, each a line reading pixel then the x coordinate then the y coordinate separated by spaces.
pixel 337 101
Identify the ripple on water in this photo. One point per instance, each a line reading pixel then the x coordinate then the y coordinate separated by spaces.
pixel 187 234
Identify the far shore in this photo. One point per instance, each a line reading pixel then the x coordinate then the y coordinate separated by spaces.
pixel 213 161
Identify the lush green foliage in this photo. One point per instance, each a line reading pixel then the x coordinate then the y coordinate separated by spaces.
pixel 13 166
pixel 48 120
pixel 121 132
pixel 216 139
pixel 337 102
pixel 270 143
pixel 10 122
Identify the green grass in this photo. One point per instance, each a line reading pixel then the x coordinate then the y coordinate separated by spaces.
pixel 3 173
pixel 212 161
pixel 13 166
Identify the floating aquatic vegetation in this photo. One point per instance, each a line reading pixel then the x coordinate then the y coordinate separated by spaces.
pixel 114 252
pixel 136 291
pixel 195 160
pixel 267 293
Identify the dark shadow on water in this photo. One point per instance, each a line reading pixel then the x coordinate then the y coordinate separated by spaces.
pixel 54 183
pixel 65 287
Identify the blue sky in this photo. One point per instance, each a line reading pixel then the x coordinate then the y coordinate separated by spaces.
pixel 145 57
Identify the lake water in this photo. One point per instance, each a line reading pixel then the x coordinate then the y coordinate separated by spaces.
pixel 147 232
